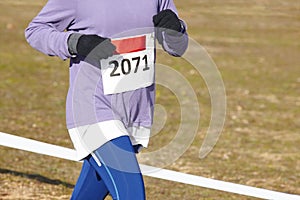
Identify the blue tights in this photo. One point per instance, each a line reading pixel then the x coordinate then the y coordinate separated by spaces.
pixel 112 168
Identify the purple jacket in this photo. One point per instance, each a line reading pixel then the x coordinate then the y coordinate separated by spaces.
pixel 49 30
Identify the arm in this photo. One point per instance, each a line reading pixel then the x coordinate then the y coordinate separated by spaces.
pixel 46 31
pixel 174 43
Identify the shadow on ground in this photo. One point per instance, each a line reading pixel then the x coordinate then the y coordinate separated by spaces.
pixel 37 177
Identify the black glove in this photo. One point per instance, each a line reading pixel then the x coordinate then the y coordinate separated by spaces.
pixel 93 47
pixel 88 44
pixel 168 21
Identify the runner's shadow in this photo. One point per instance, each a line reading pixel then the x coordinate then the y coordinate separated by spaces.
pixel 37 177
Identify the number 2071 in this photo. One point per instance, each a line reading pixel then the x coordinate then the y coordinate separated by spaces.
pixel 127 66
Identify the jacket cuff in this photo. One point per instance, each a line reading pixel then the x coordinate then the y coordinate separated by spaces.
pixel 72 43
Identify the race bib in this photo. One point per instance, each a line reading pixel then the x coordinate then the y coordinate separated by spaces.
pixel 132 67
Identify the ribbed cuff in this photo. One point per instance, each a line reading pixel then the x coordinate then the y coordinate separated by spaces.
pixel 72 43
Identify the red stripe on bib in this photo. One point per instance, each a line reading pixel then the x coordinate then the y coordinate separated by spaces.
pixel 130 45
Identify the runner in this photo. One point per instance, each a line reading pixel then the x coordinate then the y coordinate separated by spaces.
pixel 112 91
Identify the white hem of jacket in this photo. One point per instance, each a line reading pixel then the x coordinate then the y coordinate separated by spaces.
pixel 88 138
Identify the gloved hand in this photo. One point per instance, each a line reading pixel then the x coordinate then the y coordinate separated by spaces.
pixel 93 47
pixel 168 21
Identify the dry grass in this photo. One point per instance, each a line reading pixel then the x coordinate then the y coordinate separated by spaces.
pixel 256 47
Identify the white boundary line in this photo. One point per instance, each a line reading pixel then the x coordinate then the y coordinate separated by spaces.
pixel 70 154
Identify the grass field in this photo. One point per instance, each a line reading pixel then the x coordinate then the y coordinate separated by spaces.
pixel 256 46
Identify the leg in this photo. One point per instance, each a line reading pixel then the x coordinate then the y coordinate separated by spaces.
pixel 119 169
pixel 89 185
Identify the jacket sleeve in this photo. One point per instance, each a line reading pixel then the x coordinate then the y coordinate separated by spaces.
pixel 46 32
pixel 174 45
